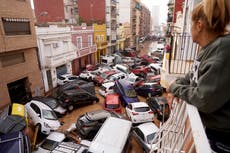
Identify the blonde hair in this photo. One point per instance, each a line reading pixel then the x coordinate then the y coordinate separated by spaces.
pixel 216 14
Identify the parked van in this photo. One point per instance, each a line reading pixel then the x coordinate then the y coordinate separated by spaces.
pixel 108 60
pixel 113 137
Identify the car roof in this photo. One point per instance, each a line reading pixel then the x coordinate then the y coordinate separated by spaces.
pixel 40 104
pixel 112 99
pixel 148 128
pixel 56 136
pixel 66 75
pixel 98 114
pixel 108 84
pixel 125 84
pixel 44 99
pixel 139 104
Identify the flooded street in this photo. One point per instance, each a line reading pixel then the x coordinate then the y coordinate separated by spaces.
pixel 72 117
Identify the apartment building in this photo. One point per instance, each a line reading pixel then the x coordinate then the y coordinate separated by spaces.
pixel 20 76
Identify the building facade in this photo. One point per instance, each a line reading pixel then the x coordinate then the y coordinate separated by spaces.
pixel 101 12
pixel 71 12
pixel 56 53
pixel 100 40
pixel 85 48
pixel 20 76
pixel 145 21
pixel 45 12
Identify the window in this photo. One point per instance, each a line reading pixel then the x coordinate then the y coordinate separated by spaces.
pixel 79 42
pixel 16 26
pixel 65 45
pixel 102 38
pixel 55 45
pixel 35 108
pixel 97 38
pixel 12 59
pixel 90 40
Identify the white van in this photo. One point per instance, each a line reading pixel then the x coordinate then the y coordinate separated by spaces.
pixel 107 60
pixel 113 137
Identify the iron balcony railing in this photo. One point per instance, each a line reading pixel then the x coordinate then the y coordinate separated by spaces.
pixel 182 54
pixel 183 132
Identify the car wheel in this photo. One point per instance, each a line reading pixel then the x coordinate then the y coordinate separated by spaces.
pixel 70 108
pixel 94 102
pixel 142 74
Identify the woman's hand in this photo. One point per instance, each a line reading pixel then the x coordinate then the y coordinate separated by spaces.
pixel 170 98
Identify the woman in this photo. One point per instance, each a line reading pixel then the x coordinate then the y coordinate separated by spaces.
pixel 207 87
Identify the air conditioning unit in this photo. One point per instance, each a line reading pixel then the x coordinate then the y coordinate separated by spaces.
pixel 55 45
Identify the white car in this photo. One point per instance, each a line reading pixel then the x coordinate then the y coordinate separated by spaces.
pixel 133 79
pixel 106 88
pixel 145 134
pixel 58 142
pixel 88 75
pixel 139 112
pixel 116 76
pixel 65 78
pixel 155 67
pixel 51 142
pixel 42 116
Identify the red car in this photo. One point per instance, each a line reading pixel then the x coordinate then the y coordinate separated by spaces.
pixel 149 59
pixel 100 78
pixel 140 70
pixel 112 103
pixel 150 79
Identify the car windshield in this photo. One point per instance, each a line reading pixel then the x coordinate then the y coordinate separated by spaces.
pixel 49 115
pixel 130 93
pixel 141 109
pixel 112 106
pixel 150 138
pixel 103 75
pixel 49 144
pixel 103 88
pixel 52 103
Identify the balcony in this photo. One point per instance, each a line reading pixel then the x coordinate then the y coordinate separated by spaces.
pixel 183 132
pixel 60 59
pixel 86 51
pixel 102 45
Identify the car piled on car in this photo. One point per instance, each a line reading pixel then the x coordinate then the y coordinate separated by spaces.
pixel 121 79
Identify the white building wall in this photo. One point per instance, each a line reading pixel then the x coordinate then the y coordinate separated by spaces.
pixel 124 11
pixel 55 49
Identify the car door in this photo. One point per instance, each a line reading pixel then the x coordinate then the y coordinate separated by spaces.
pixel 35 113
pixel 129 110
pixel 140 138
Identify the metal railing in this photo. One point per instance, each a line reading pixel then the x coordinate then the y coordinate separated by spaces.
pixel 182 54
pixel 183 132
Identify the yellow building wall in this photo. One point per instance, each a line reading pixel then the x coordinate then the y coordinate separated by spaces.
pixel 100 39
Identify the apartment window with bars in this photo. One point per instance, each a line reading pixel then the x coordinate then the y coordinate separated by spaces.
pixel 12 59
pixel 16 26
pixel 79 42
pixel 90 40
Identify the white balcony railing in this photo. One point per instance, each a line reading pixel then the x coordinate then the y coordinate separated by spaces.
pixel 183 132
pixel 60 59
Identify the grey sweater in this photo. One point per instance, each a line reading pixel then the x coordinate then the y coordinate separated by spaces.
pixel 207 87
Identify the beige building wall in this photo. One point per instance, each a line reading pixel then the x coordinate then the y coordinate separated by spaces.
pixel 18 55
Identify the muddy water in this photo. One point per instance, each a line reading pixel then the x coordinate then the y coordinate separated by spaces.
pixel 72 117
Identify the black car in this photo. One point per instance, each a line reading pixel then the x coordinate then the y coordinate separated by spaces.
pixel 16 142
pixel 152 89
pixel 160 107
pixel 88 86
pixel 52 103
pixel 76 97
pixel 89 123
